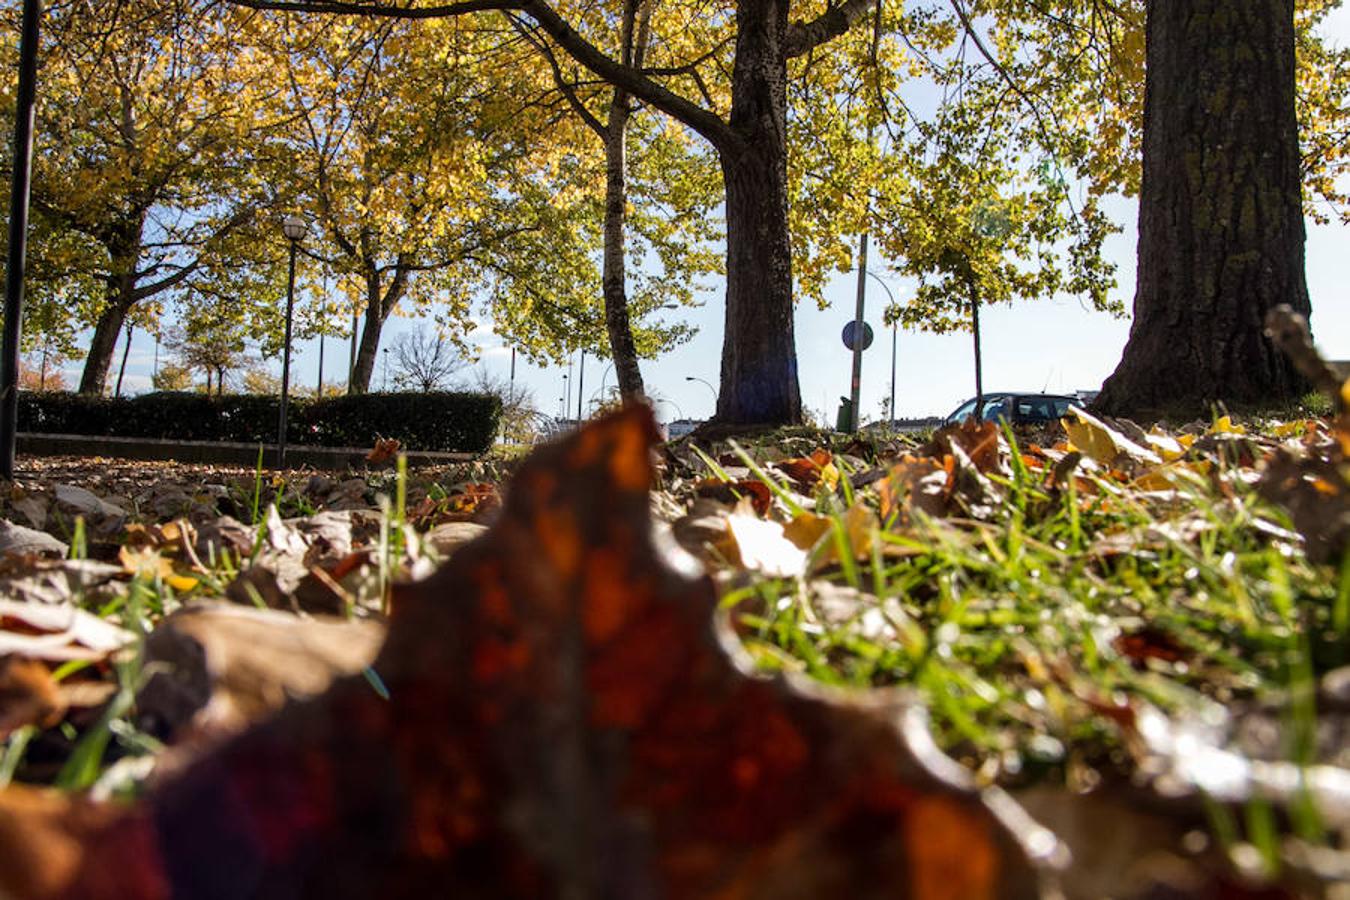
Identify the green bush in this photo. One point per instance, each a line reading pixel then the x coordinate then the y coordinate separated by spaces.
pixel 441 419
pixel 65 413
pixel 454 422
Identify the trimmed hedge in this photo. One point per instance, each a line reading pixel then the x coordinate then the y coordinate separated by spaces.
pixel 441 421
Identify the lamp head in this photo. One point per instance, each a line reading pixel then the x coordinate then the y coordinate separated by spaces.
pixel 294 228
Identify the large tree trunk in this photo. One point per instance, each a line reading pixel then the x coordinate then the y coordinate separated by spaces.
pixel 621 344
pixel 123 242
pixel 759 358
pixel 1220 220
pixel 104 345
pixel 367 349
pixel 378 307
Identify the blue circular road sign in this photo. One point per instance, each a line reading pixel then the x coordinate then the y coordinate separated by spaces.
pixel 850 335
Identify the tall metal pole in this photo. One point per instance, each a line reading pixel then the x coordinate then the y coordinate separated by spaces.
pixel 856 383
pixel 979 373
pixel 581 384
pixel 18 234
pixel 895 328
pixel 323 321
pixel 286 361
pixel 567 385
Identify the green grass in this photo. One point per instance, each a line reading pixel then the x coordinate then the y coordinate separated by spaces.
pixel 1011 629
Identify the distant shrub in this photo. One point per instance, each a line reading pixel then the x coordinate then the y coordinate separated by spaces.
pixel 441 421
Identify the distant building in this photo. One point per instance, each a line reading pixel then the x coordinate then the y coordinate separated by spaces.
pixel 680 427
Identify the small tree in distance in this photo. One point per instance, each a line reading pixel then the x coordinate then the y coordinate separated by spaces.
pixel 426 361
pixel 35 376
pixel 171 377
pixel 519 415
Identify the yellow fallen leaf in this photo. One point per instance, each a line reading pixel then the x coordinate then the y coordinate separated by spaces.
pixel 1224 425
pixel 1103 444
pixel 764 548
pixel 1165 445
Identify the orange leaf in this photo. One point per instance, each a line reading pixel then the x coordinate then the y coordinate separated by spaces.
pixel 731 491
pixel 385 449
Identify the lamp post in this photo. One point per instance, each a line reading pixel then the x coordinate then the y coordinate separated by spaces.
pixel 386 368
pixel 706 385
pixel 25 97
pixel 581 384
pixel 294 228
pixel 895 327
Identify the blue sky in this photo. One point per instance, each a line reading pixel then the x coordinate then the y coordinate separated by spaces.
pixel 1055 344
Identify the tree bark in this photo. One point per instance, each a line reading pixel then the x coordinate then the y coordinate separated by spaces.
pixel 378 307
pixel 1220 221
pixel 103 345
pixel 614 276
pixel 759 358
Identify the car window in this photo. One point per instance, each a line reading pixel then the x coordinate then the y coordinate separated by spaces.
pixel 963 412
pixel 995 408
pixel 1062 408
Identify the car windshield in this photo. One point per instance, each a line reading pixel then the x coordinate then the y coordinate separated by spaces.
pixel 963 412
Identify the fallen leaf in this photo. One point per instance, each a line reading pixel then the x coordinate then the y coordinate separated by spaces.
pixel 216 668
pixel 385 449
pixel 730 492
pixel 57 632
pixel 563 718
pixel 57 581
pixel 1104 445
pixel 27 542
pixel 810 470
pixel 916 483
pixel 450 536
pixel 1315 490
pixel 28 696
pixel 763 547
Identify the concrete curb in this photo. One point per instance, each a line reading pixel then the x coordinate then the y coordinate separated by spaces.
pixel 222 453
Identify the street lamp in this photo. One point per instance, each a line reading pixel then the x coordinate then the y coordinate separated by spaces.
pixel 706 385
pixel 20 172
pixel 294 228
pixel 895 326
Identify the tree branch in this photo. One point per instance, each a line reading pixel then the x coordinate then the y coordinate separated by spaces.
pixel 803 37
pixel 701 120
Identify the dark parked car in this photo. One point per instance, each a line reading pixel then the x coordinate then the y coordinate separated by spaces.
pixel 1018 409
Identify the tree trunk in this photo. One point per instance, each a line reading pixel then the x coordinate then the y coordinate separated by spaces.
pixel 378 308
pixel 104 344
pixel 124 251
pixel 367 349
pixel 614 277
pixel 759 358
pixel 1220 218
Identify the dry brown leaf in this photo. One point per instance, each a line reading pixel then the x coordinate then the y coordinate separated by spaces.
pixel 384 451
pixel 57 632
pixel 217 668
pixel 28 696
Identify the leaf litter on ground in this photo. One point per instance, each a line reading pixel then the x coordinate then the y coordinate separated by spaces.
pixel 1144 622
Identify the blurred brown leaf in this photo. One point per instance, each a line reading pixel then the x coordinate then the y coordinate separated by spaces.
pixel 384 451
pixel 28 696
